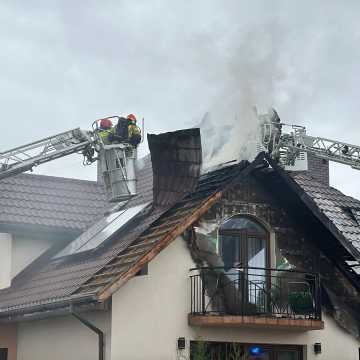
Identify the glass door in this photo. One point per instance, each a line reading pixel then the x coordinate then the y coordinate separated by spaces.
pixel 3 354
pixel 256 261
pixel 237 351
pixel 244 249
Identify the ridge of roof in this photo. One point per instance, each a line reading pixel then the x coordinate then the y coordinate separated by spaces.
pixel 41 177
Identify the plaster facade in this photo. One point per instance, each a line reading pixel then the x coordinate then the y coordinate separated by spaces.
pixel 8 339
pixel 16 253
pixel 25 250
pixel 65 337
pixel 6 243
pixel 150 312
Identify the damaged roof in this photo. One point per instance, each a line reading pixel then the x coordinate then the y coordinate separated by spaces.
pixel 50 202
pixel 77 277
pixel 96 276
pixel 328 215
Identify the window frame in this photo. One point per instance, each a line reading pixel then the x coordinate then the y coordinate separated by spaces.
pixel 274 350
pixel 4 353
pixel 244 234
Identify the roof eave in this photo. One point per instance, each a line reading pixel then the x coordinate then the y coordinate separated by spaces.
pixel 34 311
pixel 311 205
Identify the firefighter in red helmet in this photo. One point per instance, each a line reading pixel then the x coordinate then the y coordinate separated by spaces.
pixel 131 117
pixel 106 130
pixel 126 131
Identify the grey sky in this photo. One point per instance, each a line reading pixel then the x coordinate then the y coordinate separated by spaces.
pixel 65 63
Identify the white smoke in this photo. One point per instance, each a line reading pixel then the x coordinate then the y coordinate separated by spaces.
pixel 257 74
pixel 233 138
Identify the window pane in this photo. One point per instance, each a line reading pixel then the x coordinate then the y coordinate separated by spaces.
pixel 230 250
pixel 256 252
pixel 242 223
pixel 256 277
pixel 287 355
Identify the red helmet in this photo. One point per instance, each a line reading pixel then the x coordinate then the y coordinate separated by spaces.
pixel 131 117
pixel 105 124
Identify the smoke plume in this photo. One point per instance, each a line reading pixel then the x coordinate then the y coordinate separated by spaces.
pixel 255 76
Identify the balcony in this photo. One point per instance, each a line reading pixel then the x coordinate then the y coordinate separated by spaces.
pixel 255 297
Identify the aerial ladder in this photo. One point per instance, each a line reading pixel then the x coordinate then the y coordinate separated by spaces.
pixel 285 147
pixel 117 160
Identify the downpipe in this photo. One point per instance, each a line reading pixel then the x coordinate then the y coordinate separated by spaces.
pixel 93 328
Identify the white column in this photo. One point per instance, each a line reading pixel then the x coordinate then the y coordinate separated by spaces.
pixel 5 260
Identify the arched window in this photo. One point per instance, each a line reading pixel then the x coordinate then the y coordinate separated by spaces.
pixel 243 242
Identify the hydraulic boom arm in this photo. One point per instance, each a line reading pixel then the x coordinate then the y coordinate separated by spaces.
pixel 285 147
pixel 24 158
pixel 332 150
pixel 116 158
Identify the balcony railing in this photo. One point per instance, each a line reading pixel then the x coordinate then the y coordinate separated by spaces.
pixel 252 291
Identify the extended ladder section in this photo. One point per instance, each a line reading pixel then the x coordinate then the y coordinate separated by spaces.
pixel 24 158
pixel 117 159
pixel 285 147
pixel 331 150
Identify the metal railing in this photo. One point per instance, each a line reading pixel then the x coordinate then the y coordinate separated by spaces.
pixel 255 291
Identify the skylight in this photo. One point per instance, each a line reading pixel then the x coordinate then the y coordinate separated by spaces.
pixel 101 231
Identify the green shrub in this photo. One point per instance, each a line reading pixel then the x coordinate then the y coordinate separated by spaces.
pixel 199 351
pixel 301 302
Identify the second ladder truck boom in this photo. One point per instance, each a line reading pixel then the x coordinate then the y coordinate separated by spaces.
pixel 285 146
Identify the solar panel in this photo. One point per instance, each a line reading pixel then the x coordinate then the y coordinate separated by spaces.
pixel 101 231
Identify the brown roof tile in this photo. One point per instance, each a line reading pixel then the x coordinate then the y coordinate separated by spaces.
pixel 50 201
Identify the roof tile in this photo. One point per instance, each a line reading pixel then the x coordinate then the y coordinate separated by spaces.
pixel 50 201
pixel 334 205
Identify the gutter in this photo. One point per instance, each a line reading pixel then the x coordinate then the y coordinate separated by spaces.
pixel 93 328
pixel 35 311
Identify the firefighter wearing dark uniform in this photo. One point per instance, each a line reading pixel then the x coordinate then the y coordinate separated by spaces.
pixel 127 131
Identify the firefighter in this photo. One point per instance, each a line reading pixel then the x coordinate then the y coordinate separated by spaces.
pixel 134 132
pixel 126 131
pixel 106 130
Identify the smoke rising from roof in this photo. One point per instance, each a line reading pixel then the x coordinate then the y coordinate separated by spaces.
pixel 66 63
pixel 255 75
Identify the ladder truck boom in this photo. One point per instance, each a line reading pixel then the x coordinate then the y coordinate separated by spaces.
pixel 116 158
pixel 25 157
pixel 333 150
pixel 285 147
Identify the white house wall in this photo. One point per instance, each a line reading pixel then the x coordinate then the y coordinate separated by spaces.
pixel 150 312
pixel 62 338
pixel 6 243
pixel 25 250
